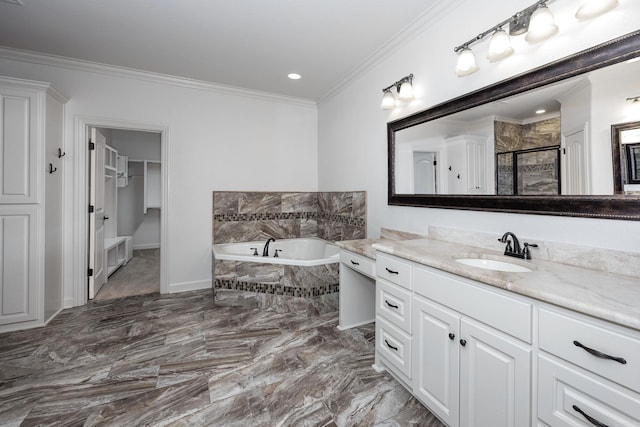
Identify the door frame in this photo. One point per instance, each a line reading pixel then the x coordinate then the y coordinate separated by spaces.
pixel 78 264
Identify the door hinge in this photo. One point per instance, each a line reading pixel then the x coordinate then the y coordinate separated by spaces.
pixel 92 146
pixel 91 208
pixel 90 272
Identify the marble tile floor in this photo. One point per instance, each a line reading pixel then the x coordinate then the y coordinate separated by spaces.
pixel 140 276
pixel 179 360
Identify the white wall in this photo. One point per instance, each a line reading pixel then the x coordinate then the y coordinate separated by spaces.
pixel 137 145
pixel 352 142
pixel 219 139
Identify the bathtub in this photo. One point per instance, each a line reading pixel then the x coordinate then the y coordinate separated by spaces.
pixel 304 276
pixel 303 252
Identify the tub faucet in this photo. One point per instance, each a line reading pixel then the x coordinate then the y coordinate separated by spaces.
pixel 265 251
pixel 515 250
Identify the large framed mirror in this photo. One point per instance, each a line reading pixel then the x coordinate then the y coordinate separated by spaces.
pixel 540 142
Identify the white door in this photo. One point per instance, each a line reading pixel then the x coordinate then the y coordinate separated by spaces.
pixel 436 331
pixel 476 167
pixel 575 177
pixel 495 378
pixel 424 172
pixel 97 275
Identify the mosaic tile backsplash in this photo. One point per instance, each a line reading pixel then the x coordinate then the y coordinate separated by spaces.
pixel 248 216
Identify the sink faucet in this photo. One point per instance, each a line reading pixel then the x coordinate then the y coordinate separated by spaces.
pixel 515 250
pixel 265 251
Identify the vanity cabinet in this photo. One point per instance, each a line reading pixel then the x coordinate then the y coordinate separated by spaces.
pixel 476 355
pixel 467 372
pixel 588 371
pixel 357 290
pixel 393 316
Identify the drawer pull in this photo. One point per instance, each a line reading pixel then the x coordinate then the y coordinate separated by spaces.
pixel 390 346
pixel 390 271
pixel 596 353
pixel 391 305
pixel 452 336
pixel 590 419
pixel 354 262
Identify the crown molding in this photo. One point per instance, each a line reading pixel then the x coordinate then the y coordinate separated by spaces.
pixel 147 76
pixel 408 33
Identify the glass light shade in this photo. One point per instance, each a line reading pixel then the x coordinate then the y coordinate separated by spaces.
pixel 388 101
pixel 466 63
pixel 542 25
pixel 500 46
pixel 591 8
pixel 406 92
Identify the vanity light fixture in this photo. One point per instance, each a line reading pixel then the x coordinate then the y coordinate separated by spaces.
pixel 404 88
pixel 591 8
pixel 634 99
pixel 536 20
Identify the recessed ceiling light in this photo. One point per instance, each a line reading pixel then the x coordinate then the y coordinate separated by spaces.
pixel 294 76
pixel 541 111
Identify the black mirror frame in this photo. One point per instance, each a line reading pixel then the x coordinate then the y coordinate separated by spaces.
pixel 607 207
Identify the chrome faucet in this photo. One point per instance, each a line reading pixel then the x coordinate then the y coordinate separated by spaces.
pixel 265 250
pixel 515 250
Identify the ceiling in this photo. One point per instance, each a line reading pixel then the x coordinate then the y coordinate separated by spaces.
pixel 250 44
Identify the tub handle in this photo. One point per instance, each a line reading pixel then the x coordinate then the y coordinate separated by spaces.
pixel 354 262
pixel 255 251
pixel 275 255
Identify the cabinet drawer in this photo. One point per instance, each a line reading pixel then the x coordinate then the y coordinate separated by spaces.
pixel 394 346
pixel 358 263
pixel 500 311
pixel 394 304
pixel 562 335
pixel 567 396
pixel 393 270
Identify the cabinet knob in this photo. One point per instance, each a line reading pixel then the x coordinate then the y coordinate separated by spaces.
pixel 452 336
pixel 463 342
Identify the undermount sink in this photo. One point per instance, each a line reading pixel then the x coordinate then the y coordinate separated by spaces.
pixel 490 264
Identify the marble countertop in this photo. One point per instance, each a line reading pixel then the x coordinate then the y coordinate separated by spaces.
pixel 612 297
pixel 362 247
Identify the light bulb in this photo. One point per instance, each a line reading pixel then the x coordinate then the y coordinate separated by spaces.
pixel 406 92
pixel 388 100
pixel 500 46
pixel 591 8
pixel 542 25
pixel 466 63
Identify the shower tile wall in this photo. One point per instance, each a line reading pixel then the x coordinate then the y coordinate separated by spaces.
pixel 248 216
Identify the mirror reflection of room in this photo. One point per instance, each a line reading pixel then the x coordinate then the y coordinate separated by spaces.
pixel 554 140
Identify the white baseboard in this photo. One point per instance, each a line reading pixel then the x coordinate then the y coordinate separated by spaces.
pixel 189 286
pixel 146 246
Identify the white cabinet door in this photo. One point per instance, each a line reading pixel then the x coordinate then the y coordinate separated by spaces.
pixel 476 167
pixel 18 146
pixel 495 378
pixel 436 358
pixel 18 264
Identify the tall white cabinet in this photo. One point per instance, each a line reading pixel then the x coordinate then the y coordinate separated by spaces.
pixel 31 203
